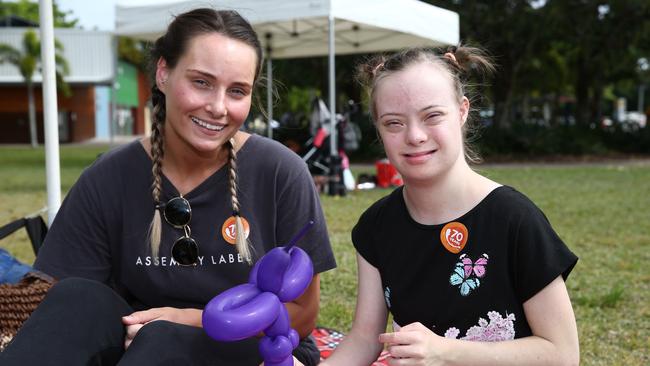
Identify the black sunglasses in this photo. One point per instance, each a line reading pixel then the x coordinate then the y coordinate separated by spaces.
pixel 178 213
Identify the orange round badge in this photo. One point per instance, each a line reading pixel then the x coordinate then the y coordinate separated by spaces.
pixel 454 237
pixel 229 230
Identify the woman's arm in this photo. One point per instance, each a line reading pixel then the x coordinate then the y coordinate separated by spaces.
pixel 303 311
pixel 361 346
pixel 554 340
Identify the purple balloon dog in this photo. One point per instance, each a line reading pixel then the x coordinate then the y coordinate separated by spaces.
pixel 244 311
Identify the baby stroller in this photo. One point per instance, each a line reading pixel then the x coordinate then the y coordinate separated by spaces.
pixel 325 168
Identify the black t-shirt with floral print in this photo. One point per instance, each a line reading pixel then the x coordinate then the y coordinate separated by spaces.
pixel 510 253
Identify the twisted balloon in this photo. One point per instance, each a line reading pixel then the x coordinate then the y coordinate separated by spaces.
pixel 244 311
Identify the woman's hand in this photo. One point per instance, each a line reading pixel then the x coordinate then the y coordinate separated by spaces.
pixel 415 344
pixel 138 319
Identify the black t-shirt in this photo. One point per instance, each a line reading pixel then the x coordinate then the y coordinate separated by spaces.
pixel 101 230
pixel 510 254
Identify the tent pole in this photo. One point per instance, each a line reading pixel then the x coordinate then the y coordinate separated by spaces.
pixel 112 120
pixel 332 87
pixel 335 181
pixel 50 111
pixel 269 86
pixel 269 96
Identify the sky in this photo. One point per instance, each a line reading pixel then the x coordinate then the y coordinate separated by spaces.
pixel 99 14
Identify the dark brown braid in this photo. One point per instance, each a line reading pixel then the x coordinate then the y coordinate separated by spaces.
pixel 242 243
pixel 157 154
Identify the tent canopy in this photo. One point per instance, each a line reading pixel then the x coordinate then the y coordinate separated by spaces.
pixel 299 28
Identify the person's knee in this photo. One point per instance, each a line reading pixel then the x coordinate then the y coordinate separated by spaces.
pixel 165 343
pixel 86 294
pixel 79 288
pixel 157 332
pixel 78 319
pixel 158 343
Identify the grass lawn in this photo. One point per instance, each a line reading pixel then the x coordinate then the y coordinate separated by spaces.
pixel 602 213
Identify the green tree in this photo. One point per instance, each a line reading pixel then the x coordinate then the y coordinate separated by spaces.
pixel 29 10
pixel 510 31
pixel 133 51
pixel 27 61
pixel 602 43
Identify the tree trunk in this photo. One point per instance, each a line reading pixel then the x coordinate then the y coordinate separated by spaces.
pixel 503 107
pixel 583 81
pixel 596 105
pixel 502 91
pixel 33 132
pixel 525 108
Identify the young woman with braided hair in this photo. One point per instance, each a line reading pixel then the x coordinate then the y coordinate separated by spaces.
pixel 153 230
pixel 471 270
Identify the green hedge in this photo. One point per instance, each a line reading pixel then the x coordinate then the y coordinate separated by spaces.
pixel 526 141
pixel 534 141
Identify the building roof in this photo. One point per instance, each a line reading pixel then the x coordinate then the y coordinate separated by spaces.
pixel 89 55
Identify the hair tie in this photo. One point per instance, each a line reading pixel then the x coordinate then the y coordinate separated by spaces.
pixel 451 57
pixel 374 71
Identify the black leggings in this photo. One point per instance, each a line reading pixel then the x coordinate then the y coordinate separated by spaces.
pixel 79 323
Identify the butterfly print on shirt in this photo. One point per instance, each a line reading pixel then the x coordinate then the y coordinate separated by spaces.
pixel 466 273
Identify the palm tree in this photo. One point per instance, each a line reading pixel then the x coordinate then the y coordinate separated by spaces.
pixel 28 61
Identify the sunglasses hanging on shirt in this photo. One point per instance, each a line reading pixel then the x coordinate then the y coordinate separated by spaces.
pixel 178 213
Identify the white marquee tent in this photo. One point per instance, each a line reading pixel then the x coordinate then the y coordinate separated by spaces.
pixel 301 28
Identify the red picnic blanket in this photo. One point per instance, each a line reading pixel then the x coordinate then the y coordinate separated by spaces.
pixel 327 340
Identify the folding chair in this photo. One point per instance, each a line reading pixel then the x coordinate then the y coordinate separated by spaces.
pixel 35 226
pixel 21 288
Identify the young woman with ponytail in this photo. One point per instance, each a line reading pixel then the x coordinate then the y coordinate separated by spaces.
pixel 153 230
pixel 470 270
